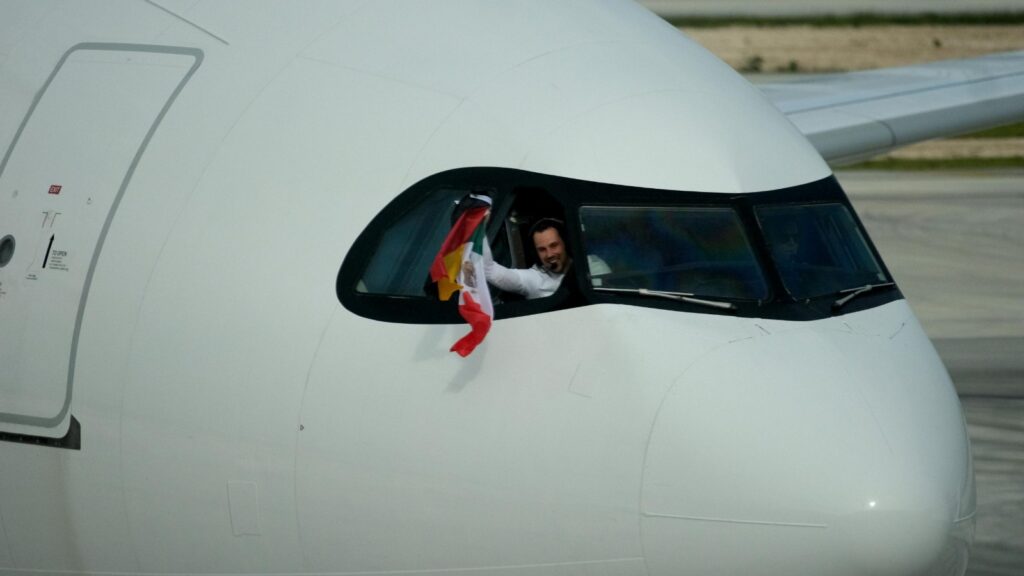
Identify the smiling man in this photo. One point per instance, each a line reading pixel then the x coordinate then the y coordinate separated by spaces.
pixel 542 279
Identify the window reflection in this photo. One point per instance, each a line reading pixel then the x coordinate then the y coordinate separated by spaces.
pixel 818 249
pixel 687 250
pixel 401 262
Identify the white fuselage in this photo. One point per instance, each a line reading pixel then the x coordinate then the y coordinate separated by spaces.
pixel 215 163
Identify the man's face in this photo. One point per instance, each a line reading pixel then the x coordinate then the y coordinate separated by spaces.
pixel 550 250
pixel 789 243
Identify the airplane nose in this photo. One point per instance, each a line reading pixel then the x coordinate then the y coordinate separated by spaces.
pixel 910 530
pixel 811 452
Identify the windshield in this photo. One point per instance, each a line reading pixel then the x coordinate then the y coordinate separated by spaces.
pixel 818 249
pixel 684 250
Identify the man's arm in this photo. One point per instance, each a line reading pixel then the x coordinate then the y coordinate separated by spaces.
pixel 523 282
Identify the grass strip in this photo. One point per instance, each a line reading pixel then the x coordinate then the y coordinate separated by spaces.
pixel 939 164
pixel 1008 131
pixel 855 20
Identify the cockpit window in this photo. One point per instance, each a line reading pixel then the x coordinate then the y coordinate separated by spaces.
pixel 402 260
pixel 699 251
pixel 818 249
pixel 796 253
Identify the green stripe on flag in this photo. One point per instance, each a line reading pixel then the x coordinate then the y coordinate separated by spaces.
pixel 478 238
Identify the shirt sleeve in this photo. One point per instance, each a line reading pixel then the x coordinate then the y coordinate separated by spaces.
pixel 523 282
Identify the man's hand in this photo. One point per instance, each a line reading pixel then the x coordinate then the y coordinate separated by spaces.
pixel 469 274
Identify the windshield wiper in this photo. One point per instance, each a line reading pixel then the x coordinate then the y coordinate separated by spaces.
pixel 852 293
pixel 679 296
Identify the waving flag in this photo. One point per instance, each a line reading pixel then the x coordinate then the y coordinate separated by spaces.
pixel 465 244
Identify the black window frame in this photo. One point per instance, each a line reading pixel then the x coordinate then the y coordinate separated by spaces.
pixel 571 195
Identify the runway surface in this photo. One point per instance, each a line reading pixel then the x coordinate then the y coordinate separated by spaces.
pixel 955 244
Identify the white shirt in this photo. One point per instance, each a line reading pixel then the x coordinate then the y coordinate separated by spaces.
pixel 535 282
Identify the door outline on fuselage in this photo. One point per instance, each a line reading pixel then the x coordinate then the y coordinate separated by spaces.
pixel 22 421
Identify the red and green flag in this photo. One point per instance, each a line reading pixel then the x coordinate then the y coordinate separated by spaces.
pixel 465 243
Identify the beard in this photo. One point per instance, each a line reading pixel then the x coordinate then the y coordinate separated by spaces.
pixel 556 266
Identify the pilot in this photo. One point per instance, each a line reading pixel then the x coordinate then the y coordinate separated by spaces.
pixel 786 244
pixel 542 279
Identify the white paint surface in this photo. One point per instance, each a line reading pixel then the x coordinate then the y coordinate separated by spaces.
pixel 213 349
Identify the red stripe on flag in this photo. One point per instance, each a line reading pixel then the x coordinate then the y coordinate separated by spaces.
pixel 460 233
pixel 479 321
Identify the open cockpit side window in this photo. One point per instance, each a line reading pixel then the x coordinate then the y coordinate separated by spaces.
pixel 512 243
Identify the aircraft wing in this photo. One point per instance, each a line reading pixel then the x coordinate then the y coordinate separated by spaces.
pixel 856 115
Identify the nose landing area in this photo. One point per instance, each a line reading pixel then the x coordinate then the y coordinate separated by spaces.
pixel 884 546
pixel 771 456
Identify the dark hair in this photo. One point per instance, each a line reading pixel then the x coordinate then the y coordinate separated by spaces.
pixel 545 223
